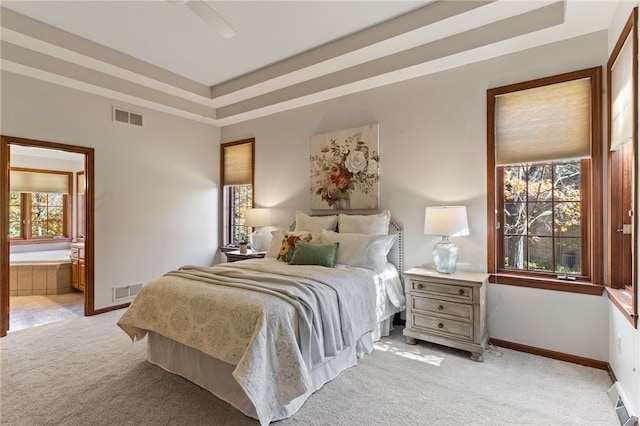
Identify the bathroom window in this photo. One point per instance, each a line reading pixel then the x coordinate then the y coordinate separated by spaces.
pixel 39 205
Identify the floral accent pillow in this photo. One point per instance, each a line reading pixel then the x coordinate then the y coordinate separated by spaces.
pixel 289 244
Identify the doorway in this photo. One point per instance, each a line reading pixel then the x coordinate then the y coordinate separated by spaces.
pixel 88 272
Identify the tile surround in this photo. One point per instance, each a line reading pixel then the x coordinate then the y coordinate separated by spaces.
pixel 28 280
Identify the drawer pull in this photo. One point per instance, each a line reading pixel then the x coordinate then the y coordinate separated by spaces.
pixel 440 307
pixel 461 292
pixel 440 325
pixel 419 286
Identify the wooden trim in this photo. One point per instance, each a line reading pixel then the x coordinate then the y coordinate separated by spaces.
pixel 224 217
pixel 89 153
pixel 593 271
pixel 491 184
pixel 25 204
pixel 612 375
pixel 548 284
pixel 622 187
pixel 110 309
pixel 623 300
pixel 575 359
pixel 89 242
pixel 4 237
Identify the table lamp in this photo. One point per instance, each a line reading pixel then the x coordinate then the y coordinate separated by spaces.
pixel 256 218
pixel 446 221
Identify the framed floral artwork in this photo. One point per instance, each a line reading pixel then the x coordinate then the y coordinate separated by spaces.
pixel 345 169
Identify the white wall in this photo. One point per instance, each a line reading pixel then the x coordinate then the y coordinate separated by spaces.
pixel 626 361
pixel 433 151
pixel 156 187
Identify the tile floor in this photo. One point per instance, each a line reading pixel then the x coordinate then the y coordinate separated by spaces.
pixel 32 311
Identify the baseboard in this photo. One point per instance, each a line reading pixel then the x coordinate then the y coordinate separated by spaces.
pixel 110 308
pixel 601 365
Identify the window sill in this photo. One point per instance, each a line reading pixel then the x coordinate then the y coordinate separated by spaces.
pixel 623 300
pixel 548 284
pixel 20 242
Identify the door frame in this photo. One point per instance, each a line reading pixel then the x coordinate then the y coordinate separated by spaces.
pixel 89 162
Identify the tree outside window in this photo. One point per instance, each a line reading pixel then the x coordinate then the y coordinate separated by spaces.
pixel 542 217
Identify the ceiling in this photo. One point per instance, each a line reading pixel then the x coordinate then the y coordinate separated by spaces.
pixel 286 54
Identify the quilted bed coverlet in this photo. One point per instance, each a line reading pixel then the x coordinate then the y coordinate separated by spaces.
pixel 273 321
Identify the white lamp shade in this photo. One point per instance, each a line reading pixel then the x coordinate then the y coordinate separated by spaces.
pixel 446 221
pixel 257 217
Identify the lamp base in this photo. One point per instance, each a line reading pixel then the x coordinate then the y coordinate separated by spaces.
pixel 256 240
pixel 445 256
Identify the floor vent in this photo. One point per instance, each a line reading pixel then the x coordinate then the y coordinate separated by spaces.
pixel 625 416
pixel 128 117
pixel 126 292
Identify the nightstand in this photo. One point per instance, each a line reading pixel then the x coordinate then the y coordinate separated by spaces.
pixel 234 256
pixel 447 309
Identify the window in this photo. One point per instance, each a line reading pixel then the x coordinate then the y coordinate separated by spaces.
pixel 237 189
pixel 39 205
pixel 544 155
pixel 622 110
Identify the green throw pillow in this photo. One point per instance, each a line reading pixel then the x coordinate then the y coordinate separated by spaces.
pixel 306 253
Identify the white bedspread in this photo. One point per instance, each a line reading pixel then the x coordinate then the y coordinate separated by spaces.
pixel 272 341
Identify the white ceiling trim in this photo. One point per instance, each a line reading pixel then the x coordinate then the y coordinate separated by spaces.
pixel 60 80
pixel 76 58
pixel 436 37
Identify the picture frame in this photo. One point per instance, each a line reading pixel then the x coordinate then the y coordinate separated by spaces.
pixel 345 169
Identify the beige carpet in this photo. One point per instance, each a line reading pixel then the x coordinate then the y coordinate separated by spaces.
pixel 85 371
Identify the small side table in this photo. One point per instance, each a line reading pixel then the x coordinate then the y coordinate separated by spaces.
pixel 447 309
pixel 234 256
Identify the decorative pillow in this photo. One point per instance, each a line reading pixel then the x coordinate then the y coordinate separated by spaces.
pixel 365 224
pixel 278 235
pixel 289 244
pixel 306 253
pixel 304 222
pixel 362 250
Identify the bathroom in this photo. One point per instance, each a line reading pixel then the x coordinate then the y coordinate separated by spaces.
pixel 46 228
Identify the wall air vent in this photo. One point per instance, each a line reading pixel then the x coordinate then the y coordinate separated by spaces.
pixel 126 292
pixel 128 117
pixel 618 397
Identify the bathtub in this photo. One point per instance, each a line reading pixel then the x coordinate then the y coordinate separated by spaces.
pixel 40 273
pixel 40 257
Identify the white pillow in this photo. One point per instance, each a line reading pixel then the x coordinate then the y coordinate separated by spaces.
pixel 304 222
pixel 362 250
pixel 365 224
pixel 278 235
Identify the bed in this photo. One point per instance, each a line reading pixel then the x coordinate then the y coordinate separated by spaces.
pixel 264 334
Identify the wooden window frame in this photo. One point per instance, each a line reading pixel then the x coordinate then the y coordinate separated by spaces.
pixel 225 204
pixel 592 281
pixel 622 278
pixel 25 211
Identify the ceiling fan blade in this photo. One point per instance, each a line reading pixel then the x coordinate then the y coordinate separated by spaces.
pixel 211 17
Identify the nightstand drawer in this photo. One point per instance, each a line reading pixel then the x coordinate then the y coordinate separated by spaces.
pixel 458 329
pixel 449 290
pixel 459 311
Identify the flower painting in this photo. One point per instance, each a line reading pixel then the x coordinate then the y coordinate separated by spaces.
pixel 345 169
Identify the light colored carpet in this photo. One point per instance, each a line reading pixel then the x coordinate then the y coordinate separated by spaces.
pixel 85 371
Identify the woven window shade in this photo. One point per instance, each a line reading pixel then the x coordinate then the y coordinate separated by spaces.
pixel 237 164
pixel 25 181
pixel 622 96
pixel 545 123
pixel 80 184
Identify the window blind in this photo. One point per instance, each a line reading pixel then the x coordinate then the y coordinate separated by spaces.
pixel 547 123
pixel 622 96
pixel 238 160
pixel 80 183
pixel 28 181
